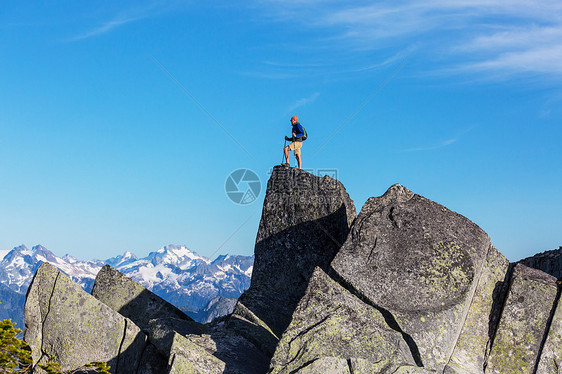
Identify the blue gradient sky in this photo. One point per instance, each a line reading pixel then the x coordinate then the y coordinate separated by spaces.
pixel 119 123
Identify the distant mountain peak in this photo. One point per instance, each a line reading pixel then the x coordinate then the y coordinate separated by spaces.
pixel 179 250
pixel 173 272
pixel 178 255
pixel 44 254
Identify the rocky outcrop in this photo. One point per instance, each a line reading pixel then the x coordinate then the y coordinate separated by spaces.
pixel 469 354
pixel 407 286
pixel 132 300
pixel 418 262
pixel 64 322
pixel 549 261
pixel 75 328
pixel 185 345
pixel 550 360
pixel 330 323
pixel 305 220
pixel 519 337
pixel 217 307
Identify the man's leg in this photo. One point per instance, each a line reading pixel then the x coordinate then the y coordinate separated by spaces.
pixel 286 149
pixel 297 147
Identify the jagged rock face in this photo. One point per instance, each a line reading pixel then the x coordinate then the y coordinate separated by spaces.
pixel 414 289
pixel 420 263
pixel 331 322
pixel 305 220
pixel 130 299
pixel 217 307
pixel 469 354
pixel 65 322
pixel 551 357
pixel 184 354
pixel 550 262
pixel 532 294
pixel 152 361
pixel 184 345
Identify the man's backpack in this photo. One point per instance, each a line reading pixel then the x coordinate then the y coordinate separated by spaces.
pixel 305 134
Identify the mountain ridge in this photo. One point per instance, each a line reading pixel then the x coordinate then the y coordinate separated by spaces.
pixel 173 272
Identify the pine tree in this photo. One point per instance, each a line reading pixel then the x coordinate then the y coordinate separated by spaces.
pixel 15 355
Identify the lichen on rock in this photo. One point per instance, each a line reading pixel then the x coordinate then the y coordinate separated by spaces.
pixel 330 322
pixel 132 300
pixel 523 321
pixel 305 219
pixel 74 328
pixel 418 261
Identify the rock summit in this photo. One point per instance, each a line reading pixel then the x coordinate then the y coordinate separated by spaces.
pixel 405 286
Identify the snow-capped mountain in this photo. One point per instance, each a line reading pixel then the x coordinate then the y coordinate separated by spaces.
pixel 19 265
pixel 186 279
pixel 174 273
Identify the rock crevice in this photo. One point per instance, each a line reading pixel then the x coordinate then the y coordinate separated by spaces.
pixel 387 315
pixel 466 310
pixel 45 356
pixel 547 329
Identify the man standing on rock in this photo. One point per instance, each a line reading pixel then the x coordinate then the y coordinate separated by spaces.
pixel 296 144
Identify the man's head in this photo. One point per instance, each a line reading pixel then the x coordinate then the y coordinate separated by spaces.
pixel 294 119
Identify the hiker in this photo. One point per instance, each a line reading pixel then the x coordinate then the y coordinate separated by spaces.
pixel 296 144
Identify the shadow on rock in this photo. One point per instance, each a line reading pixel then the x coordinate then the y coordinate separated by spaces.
pixel 283 267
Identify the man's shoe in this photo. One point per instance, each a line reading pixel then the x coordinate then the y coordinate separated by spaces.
pixel 286 164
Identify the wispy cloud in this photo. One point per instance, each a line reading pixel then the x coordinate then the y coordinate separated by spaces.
pixel 304 101
pixel 431 148
pixel 535 60
pixel 552 105
pixel 123 17
pixel 104 28
pixel 276 70
pixel 493 36
pixel 441 144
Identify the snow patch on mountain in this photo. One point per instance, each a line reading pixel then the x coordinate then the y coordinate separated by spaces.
pixel 173 272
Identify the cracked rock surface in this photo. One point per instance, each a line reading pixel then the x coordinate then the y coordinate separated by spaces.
pixel 64 321
pixel 527 308
pixel 305 220
pixel 331 322
pixel 418 262
pixel 130 299
pixel 405 287
pixel 551 357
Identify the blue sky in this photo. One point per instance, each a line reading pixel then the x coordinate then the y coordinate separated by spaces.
pixel 120 122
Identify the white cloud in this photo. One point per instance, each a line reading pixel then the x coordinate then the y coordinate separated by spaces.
pixel 441 144
pixel 106 27
pixel 304 101
pixel 432 148
pixel 142 10
pixel 547 59
pixel 494 36
pixel 515 38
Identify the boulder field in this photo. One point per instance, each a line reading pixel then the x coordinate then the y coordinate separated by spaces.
pixel 405 286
